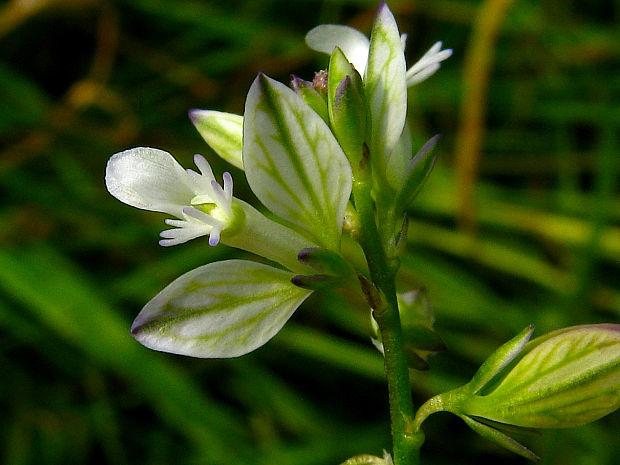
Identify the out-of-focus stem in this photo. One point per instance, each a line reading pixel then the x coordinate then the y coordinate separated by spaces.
pixel 478 63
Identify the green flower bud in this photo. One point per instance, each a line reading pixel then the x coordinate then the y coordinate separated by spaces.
pixel 566 378
pixel 347 111
pixel 310 95
pixel 314 282
pixel 325 261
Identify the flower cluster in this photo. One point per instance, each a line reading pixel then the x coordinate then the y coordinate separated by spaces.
pixel 332 161
pixel 300 149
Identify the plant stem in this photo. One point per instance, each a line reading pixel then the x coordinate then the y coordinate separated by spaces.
pixel 406 444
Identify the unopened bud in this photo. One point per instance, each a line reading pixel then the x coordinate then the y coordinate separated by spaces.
pixel 347 110
pixel 566 378
pixel 315 100
pixel 314 282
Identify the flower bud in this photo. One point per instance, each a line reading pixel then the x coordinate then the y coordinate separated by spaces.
pixel 566 378
pixel 314 282
pixel 347 111
pixel 310 95
pixel 324 261
pixel 222 131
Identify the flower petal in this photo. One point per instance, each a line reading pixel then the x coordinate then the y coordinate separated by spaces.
pixel 149 179
pixel 428 64
pixel 293 162
pixel 326 37
pixel 385 86
pixel 223 309
pixel 222 131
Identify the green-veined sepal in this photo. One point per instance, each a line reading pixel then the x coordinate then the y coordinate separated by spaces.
pixel 222 131
pixel 499 359
pixel 293 163
pixel 499 437
pixel 220 310
pixel 385 88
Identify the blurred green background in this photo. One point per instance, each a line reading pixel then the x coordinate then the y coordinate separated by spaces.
pixel 519 224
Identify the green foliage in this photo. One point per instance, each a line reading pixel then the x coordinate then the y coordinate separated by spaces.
pixel 83 80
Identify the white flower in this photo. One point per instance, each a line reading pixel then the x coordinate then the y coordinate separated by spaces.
pixel 355 45
pixel 152 179
pixel 296 168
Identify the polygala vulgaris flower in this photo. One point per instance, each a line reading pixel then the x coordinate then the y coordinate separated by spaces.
pixel 296 168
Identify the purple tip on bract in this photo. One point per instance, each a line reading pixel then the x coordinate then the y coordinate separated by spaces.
pixel 340 90
pixel 194 115
pixel 298 83
pixel 136 326
pixel 430 144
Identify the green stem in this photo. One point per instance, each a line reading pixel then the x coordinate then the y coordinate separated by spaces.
pixel 406 444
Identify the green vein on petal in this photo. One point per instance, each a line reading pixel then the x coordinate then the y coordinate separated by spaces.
pixel 223 309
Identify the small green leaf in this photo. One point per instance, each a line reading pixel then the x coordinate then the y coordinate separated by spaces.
pixel 222 131
pixel 293 163
pixel 499 359
pixel 223 309
pixel 385 88
pixel 499 438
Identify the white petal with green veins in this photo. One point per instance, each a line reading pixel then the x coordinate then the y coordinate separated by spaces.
pixel 385 86
pixel 293 162
pixel 222 131
pixel 223 309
